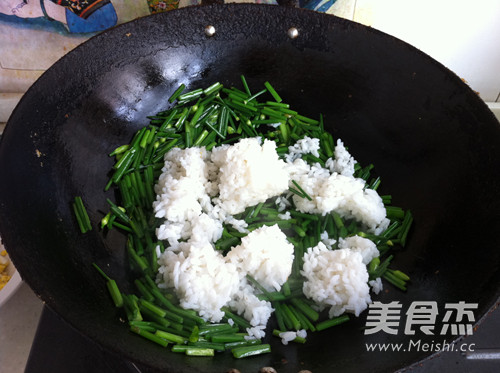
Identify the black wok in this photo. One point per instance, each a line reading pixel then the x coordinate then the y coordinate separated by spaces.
pixel 434 143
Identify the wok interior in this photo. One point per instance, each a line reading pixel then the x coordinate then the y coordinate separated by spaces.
pixel 432 141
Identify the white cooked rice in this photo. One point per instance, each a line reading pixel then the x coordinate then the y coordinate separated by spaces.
pixel 249 173
pixel 199 191
pixel 302 333
pixel 336 279
pixel 364 246
pixel 266 255
pixel 343 162
pixel 202 279
pixel 327 241
pixel 335 192
pixel 376 285
pixel 303 146
pixel 246 303
pixel 181 185
pixel 287 337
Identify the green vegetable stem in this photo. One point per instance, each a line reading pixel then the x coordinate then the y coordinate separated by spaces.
pixel 210 117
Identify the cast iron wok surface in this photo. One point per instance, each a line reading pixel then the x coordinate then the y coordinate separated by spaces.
pixel 434 143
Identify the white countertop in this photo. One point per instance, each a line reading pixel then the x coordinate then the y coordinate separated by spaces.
pixel 18 323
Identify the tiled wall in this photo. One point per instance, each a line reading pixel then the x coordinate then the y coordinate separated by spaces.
pixel 463 35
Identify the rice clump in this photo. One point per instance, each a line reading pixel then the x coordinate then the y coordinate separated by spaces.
pixel 337 279
pixel 249 173
pixel 332 191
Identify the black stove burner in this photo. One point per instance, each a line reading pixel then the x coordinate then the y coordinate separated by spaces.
pixel 58 348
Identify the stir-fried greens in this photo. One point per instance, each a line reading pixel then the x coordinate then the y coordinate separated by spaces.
pixel 209 118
